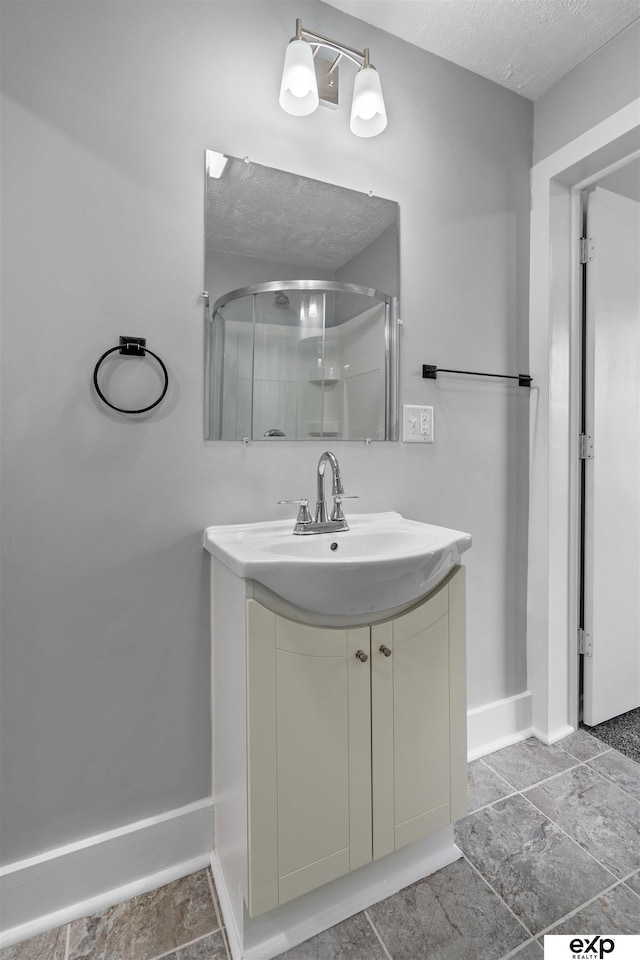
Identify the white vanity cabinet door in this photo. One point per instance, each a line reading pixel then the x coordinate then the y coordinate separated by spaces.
pixel 419 719
pixel 351 757
pixel 309 756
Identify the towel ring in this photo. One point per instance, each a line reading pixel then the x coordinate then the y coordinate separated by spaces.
pixel 132 347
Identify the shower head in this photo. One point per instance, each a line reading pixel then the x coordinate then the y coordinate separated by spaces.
pixel 281 299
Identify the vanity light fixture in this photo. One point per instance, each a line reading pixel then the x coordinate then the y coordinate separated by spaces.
pixel 308 79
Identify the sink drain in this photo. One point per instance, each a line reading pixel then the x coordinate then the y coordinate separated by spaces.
pixel 334 546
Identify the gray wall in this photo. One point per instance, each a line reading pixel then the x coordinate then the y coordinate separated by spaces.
pixel 603 84
pixel 625 181
pixel 108 108
pixel 376 266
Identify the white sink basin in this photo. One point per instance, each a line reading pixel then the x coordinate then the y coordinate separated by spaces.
pixel 383 561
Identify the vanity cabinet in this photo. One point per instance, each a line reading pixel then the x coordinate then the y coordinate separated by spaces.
pixel 356 740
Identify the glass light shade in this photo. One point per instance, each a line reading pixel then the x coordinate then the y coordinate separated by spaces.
pixel 216 163
pixel 299 88
pixel 368 115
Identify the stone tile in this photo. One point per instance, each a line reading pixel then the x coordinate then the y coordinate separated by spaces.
pixel 596 813
pixel 148 925
pixel 451 915
pixel 634 882
pixel 530 951
pixel 528 762
pixel 615 912
pixel 582 746
pixel 484 785
pixel 46 946
pixel 538 871
pixel 353 939
pixel 209 948
pixel 620 770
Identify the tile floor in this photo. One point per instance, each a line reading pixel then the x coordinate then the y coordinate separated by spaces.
pixel 552 844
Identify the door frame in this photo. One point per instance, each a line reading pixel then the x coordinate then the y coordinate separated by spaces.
pixel 554 359
pixel 601 699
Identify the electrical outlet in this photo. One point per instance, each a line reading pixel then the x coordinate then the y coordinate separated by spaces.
pixel 417 424
pixel 426 424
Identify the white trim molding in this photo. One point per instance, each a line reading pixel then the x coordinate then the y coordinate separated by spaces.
pixel 498 724
pixel 81 878
pixel 555 736
pixel 552 594
pixel 287 926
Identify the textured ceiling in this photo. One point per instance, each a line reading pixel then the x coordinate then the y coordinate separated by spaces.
pixel 257 211
pixel 524 45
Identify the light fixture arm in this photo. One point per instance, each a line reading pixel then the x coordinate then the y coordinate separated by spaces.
pixel 334 65
pixel 359 57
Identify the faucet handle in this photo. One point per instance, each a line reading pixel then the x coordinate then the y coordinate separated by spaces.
pixel 303 513
pixel 336 513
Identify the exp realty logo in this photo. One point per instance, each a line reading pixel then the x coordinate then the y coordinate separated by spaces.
pixel 583 948
pixel 590 947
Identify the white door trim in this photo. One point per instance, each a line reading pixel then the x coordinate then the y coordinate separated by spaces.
pixel 556 181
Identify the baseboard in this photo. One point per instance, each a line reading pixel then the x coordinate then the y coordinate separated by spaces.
pixel 559 734
pixel 297 921
pixel 87 876
pixel 498 724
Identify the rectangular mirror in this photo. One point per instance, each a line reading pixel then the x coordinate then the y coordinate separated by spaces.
pixel 302 281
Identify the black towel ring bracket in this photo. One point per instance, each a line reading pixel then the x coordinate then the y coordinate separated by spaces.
pixel 131 347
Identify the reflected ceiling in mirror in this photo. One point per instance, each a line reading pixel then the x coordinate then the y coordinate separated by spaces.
pixel 302 279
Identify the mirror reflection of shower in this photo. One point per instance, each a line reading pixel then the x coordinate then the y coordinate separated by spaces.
pixel 301 359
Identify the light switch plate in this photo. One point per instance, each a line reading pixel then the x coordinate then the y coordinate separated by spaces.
pixel 417 424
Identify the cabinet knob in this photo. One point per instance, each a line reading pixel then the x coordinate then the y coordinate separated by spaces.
pixel 361 655
pixel 384 649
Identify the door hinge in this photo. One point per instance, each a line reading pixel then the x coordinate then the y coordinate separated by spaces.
pixel 587 249
pixel 585 449
pixel 585 643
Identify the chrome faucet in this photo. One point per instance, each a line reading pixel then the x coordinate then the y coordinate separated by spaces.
pixel 321 523
pixel 337 490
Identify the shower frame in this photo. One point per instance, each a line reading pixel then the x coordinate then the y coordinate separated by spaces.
pixel 391 345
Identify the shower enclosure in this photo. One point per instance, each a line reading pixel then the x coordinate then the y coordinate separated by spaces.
pixel 302 359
